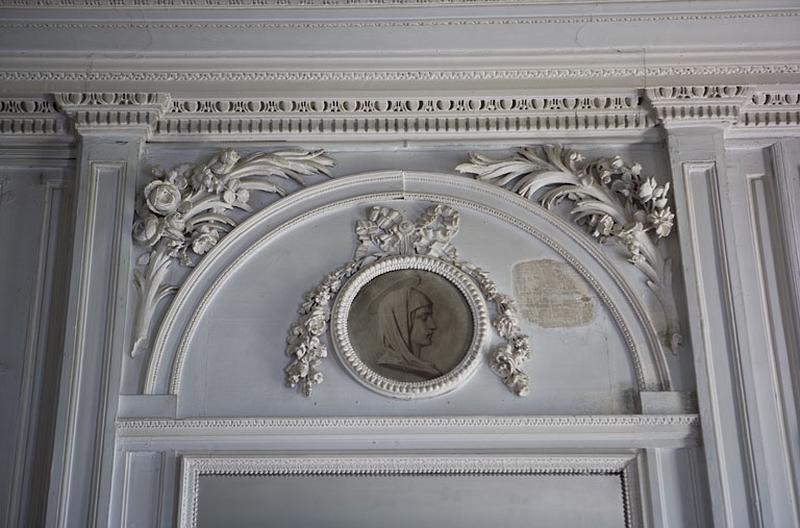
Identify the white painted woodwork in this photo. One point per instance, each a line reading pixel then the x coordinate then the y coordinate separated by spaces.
pixel 93 94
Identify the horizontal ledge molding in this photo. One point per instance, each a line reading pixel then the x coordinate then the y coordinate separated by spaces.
pixel 587 430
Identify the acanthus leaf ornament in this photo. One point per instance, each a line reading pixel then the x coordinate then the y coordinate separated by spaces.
pixel 387 239
pixel 185 211
pixel 611 199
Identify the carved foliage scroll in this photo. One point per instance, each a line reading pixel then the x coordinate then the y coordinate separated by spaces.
pixel 611 199
pixel 186 210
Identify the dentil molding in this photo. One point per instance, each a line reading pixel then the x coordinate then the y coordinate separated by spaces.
pixel 630 113
pixel 31 116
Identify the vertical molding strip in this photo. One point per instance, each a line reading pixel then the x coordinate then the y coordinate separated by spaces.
pixel 78 343
pixel 767 240
pixel 111 327
pixel 33 350
pixel 718 446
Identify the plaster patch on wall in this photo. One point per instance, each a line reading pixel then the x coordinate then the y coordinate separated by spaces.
pixel 551 294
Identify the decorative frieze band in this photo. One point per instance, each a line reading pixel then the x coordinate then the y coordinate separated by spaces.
pixel 771 109
pixel 291 117
pixel 402 115
pixel 30 116
pixel 689 423
pixel 692 103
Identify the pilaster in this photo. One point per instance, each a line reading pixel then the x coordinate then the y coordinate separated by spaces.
pixel 111 129
pixel 696 120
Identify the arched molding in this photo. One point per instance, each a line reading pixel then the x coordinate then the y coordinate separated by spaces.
pixel 172 343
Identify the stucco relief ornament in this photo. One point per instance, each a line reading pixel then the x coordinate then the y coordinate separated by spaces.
pixel 408 318
pixel 612 200
pixel 185 211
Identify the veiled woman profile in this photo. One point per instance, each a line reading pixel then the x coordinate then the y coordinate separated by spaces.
pixel 406 324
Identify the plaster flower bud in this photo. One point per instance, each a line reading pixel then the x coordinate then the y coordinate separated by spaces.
pixel 506 325
pixel 522 346
pixel 518 383
pixel 503 362
pixel 662 221
pixel 646 189
pixel 604 225
pixel 229 196
pixel 162 197
pixel 225 162
pixel 204 239
pixel 296 371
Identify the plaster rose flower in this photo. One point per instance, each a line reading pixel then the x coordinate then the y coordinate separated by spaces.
pixel 316 324
pixel 162 197
pixel 148 229
pixel 174 224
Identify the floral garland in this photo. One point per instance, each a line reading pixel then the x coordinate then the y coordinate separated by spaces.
pixel 507 358
pixel 304 344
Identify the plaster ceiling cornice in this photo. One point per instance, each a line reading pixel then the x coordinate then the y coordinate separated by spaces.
pixel 316 4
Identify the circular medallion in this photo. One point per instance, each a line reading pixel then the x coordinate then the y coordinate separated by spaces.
pixel 410 326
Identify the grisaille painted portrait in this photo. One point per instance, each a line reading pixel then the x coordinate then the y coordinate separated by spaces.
pixel 410 325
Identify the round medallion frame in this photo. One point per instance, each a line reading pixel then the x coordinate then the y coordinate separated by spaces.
pixel 410 389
